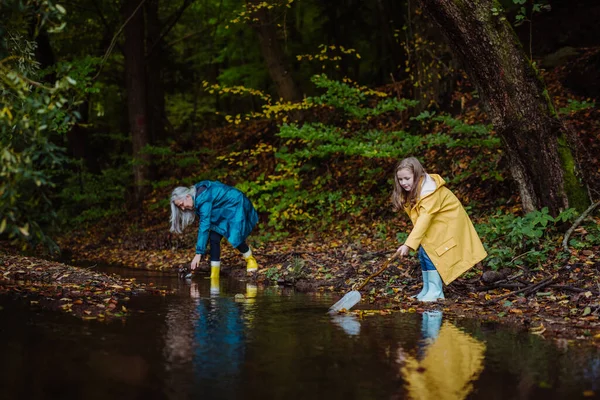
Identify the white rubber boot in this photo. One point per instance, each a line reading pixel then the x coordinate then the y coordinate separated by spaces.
pixel 430 326
pixel 435 291
pixel 423 291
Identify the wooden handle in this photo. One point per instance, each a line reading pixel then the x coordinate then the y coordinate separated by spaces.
pixel 385 265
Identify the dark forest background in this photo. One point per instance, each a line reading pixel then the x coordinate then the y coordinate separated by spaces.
pixel 306 106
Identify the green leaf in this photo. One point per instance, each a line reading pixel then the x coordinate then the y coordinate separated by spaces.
pixel 587 311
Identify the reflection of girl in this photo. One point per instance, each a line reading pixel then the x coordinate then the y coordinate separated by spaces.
pixel 449 365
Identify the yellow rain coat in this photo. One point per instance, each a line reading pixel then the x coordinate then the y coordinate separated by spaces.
pixel 443 228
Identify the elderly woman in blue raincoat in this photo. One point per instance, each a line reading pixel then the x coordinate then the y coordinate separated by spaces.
pixel 223 211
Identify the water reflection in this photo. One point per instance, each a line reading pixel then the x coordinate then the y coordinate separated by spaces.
pixel 446 364
pixel 234 343
pixel 348 322
pixel 207 347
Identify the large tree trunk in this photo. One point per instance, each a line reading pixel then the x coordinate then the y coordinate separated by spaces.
pixel 515 97
pixel 274 56
pixel 135 78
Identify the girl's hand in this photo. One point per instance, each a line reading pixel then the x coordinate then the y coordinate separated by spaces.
pixel 403 250
pixel 195 261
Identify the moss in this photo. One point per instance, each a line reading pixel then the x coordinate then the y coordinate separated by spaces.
pixel 576 193
pixel 546 95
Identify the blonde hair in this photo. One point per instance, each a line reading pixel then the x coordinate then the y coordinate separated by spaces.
pixel 181 218
pixel 400 197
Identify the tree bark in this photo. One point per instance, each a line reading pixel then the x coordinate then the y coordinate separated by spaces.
pixel 274 56
pixel 135 80
pixel 515 98
pixel 155 88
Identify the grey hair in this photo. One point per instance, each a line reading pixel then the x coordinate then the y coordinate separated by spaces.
pixel 181 218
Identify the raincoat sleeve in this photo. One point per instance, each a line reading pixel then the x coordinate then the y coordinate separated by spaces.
pixel 204 212
pixel 427 209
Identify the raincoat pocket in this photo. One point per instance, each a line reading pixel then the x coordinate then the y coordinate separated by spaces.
pixel 447 245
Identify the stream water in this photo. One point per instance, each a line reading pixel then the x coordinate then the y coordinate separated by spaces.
pixel 204 342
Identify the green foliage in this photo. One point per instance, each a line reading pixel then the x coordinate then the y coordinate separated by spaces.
pixel 33 118
pixel 590 236
pixel 576 106
pixel 88 197
pixel 522 11
pixel 315 181
pixel 512 240
pixel 352 100
pixel 401 237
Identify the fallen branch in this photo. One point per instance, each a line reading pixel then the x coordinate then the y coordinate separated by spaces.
pixel 576 224
pixel 573 289
pixel 502 285
pixel 501 282
pixel 527 290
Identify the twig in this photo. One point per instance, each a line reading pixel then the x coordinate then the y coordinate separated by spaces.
pixel 572 289
pixel 503 286
pixel 576 224
pixel 114 39
pixel 521 255
pixel 527 290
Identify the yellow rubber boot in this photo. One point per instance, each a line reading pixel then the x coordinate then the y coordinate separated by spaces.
pixel 215 288
pixel 251 264
pixel 249 306
pixel 215 269
pixel 251 291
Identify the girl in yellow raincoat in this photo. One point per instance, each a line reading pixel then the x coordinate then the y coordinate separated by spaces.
pixel 443 234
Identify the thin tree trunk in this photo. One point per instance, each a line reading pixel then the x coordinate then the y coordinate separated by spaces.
pixel 274 57
pixel 155 88
pixel 135 79
pixel 390 47
pixel 515 98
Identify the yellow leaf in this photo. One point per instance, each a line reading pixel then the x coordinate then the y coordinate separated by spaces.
pixel 24 230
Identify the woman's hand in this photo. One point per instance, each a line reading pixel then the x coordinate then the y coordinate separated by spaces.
pixel 195 261
pixel 403 250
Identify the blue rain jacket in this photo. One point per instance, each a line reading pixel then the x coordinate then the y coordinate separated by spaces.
pixel 225 210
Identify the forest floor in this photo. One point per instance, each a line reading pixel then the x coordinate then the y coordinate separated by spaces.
pixel 558 300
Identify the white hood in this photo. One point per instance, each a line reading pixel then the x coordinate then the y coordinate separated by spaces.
pixel 428 186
